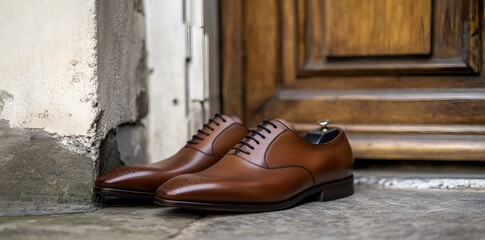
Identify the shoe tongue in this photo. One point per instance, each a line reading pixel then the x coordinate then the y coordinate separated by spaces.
pixel 285 123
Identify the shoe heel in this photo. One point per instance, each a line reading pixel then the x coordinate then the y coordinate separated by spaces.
pixel 335 190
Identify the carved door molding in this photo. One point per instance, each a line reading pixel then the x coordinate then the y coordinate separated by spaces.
pixel 402 77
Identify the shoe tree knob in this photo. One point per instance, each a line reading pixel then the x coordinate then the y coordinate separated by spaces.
pixel 323 134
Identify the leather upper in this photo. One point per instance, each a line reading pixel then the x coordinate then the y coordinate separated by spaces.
pixel 282 165
pixel 193 157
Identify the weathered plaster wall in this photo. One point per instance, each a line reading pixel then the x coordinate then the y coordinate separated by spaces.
pixel 48 104
pixel 121 63
pixel 167 121
pixel 182 42
pixel 48 65
pixel 122 87
pixel 72 93
pixel 39 175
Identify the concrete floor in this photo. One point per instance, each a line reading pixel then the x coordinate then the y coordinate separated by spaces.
pixel 371 213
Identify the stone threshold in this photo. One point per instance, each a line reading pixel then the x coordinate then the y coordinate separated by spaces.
pixel 469 184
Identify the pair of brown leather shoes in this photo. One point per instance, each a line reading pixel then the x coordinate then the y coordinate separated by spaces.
pixel 226 167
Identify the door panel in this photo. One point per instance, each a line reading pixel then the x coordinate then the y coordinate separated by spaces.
pixel 377 68
pixel 369 27
pixel 376 45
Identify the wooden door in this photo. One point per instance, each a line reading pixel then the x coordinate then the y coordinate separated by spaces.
pixel 404 78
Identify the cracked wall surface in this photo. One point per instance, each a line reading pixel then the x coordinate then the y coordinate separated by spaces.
pixel 72 72
pixel 121 36
pixel 122 90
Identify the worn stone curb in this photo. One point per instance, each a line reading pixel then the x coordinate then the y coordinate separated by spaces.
pixel 422 183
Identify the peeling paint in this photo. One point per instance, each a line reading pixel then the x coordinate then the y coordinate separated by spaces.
pixel 4 97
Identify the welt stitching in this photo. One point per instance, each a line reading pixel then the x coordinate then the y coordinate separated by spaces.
pixel 280 167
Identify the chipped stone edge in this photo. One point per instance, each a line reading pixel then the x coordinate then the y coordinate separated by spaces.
pixel 422 183
pixel 78 144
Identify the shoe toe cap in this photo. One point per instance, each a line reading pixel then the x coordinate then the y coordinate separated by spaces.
pixel 184 187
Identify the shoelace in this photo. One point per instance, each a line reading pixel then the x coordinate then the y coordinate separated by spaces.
pixel 253 133
pixel 201 131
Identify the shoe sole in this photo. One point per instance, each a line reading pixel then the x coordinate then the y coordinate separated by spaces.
pixel 323 192
pixel 115 192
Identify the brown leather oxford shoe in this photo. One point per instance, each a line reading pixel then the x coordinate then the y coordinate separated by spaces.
pixel 272 169
pixel 211 143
